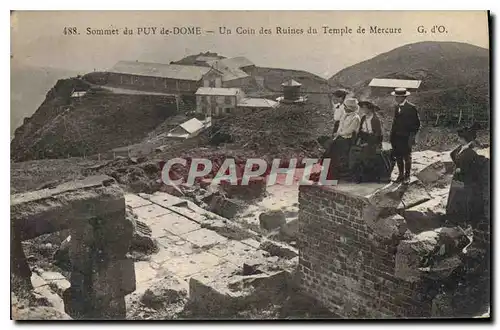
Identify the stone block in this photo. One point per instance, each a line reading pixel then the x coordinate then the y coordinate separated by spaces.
pixel 145 271
pixel 134 201
pixel 164 291
pixel 148 212
pixel 185 266
pixel 204 238
pixel 426 216
pixel 279 249
pixel 115 279
pixel 176 224
pixel 272 219
pixel 166 200
pixel 49 210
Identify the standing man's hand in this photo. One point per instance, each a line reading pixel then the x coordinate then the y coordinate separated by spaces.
pixel 412 140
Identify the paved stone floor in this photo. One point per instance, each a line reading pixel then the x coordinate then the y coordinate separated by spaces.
pixel 186 249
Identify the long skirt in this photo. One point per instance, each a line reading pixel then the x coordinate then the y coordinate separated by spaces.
pixel 338 153
pixel 364 164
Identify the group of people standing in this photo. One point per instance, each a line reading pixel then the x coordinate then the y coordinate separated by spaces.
pixel 356 154
pixel 355 150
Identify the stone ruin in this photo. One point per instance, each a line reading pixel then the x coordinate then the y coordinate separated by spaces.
pixel 93 210
pixel 364 250
pixel 390 251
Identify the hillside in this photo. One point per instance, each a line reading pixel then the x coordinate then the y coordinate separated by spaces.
pixel 97 122
pixel 454 75
pixel 28 86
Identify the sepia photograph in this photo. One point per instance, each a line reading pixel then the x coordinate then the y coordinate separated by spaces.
pixel 250 165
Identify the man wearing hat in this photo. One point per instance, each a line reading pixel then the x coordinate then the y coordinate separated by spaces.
pixel 405 126
pixel 338 152
pixel 337 100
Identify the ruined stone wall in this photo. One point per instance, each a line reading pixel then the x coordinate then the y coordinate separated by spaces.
pixel 346 265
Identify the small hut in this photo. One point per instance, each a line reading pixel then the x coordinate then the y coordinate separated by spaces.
pixel 291 92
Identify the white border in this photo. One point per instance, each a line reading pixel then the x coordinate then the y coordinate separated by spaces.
pixel 199 5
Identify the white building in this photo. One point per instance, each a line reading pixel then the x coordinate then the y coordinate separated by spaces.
pixel 190 128
pixel 213 101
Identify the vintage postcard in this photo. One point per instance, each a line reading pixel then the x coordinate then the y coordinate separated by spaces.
pixel 178 165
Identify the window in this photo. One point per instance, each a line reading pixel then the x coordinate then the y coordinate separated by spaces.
pixel 212 83
pixel 227 110
pixel 227 100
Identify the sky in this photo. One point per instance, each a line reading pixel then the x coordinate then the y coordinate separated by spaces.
pixel 37 38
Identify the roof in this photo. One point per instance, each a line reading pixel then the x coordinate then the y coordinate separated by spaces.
pixel 394 83
pixel 172 71
pixel 78 94
pixel 291 82
pixel 192 125
pixel 218 91
pixel 257 103
pixel 228 73
pixel 234 62
pixel 207 58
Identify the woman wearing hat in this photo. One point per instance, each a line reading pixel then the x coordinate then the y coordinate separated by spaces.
pixel 337 99
pixel 338 152
pixel 363 156
pixel 469 174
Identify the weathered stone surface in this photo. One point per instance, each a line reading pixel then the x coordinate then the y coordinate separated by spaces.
pixel 414 194
pixel 166 200
pixel 55 280
pixel 174 224
pixel 116 279
pixel 433 254
pixel 150 211
pixel 164 291
pixel 41 289
pixel 50 210
pixel 290 229
pixel 203 238
pixel 184 266
pixel 426 216
pixel 279 249
pixel 436 174
pixel 272 219
pixel 224 291
pixel 134 201
pixel 390 227
pixel 224 207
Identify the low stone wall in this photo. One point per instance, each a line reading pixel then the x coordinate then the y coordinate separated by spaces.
pixel 94 212
pixel 347 265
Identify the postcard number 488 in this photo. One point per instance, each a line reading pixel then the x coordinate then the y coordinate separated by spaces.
pixel 70 31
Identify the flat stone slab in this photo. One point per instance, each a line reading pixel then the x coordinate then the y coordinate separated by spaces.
pixel 231 247
pixel 190 214
pixel 185 266
pixel 145 271
pixel 176 224
pixel 170 249
pixel 204 237
pixel 358 189
pixel 166 200
pixel 150 211
pixel 251 242
pixel 89 182
pixel 134 201
pixel 65 206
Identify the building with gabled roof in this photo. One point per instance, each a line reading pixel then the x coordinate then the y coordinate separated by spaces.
pixel 190 128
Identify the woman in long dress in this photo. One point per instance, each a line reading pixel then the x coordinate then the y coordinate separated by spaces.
pixel 364 163
pixel 338 151
pixel 466 205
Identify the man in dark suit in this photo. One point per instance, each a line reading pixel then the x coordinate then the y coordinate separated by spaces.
pixel 405 127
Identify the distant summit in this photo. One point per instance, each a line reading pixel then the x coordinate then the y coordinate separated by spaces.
pixel 454 75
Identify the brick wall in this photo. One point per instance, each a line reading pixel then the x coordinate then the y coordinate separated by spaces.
pixel 348 267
